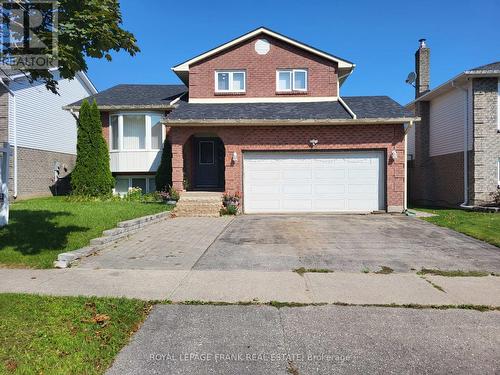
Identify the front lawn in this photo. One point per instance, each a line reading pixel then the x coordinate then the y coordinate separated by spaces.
pixel 64 335
pixel 480 225
pixel 39 229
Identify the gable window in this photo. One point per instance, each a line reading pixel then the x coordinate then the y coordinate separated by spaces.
pixel 291 80
pixel 230 81
pixel 136 131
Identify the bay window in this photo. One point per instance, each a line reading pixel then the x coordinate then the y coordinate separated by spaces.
pixel 291 80
pixel 136 131
pixel 230 81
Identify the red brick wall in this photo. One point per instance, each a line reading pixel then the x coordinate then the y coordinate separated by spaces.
pixel 353 137
pixel 261 70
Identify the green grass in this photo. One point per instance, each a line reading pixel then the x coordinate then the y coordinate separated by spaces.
pixel 301 271
pixel 39 229
pixel 452 273
pixel 481 225
pixel 64 335
pixel 384 270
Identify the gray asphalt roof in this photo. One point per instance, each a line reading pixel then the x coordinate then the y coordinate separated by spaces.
pixel 487 68
pixel 161 95
pixel 136 95
pixel 362 106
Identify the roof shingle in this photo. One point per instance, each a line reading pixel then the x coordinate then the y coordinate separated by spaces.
pixel 493 67
pixel 136 95
pixel 368 107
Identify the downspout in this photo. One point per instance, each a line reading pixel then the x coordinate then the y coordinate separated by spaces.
pixel 466 146
pixel 410 125
pixel 14 131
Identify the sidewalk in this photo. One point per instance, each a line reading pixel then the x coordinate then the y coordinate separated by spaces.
pixel 256 286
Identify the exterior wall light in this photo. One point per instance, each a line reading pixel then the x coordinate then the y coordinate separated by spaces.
pixel 394 155
pixel 235 157
pixel 313 142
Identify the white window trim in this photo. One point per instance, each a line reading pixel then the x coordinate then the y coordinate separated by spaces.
pixel 498 109
pixel 292 80
pixel 230 75
pixel 129 178
pixel 147 123
pixel 498 172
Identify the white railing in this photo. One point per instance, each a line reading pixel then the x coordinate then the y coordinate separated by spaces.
pixel 134 161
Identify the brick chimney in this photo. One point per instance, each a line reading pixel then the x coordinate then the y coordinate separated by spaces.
pixel 422 69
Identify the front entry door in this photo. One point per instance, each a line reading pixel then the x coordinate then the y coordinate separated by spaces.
pixel 207 162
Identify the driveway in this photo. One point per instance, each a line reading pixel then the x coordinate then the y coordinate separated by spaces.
pixel 349 243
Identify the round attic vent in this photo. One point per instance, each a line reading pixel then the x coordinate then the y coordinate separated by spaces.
pixel 262 46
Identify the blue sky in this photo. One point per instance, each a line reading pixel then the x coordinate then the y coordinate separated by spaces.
pixel 379 36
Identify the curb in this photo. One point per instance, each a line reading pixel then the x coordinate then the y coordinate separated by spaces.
pixel 123 229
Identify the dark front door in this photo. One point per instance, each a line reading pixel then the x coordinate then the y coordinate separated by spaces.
pixel 208 162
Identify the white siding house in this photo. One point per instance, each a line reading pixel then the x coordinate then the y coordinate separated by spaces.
pixel 42 135
pixel 41 122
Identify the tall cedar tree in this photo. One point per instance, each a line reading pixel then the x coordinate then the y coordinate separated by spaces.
pixel 163 178
pixel 92 174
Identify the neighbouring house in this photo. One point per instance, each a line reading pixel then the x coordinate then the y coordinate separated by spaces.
pixel 262 116
pixel 454 151
pixel 40 134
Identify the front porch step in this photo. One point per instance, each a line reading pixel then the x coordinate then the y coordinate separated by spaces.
pixel 198 203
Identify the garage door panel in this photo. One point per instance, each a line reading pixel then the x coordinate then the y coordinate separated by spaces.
pixel 264 176
pixel 329 174
pixel 300 174
pixel 297 189
pixel 329 189
pixel 329 205
pixel 313 181
pixel 297 204
pixel 362 189
pixel 263 189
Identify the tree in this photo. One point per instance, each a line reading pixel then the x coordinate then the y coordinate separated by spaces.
pixel 92 174
pixel 86 28
pixel 163 178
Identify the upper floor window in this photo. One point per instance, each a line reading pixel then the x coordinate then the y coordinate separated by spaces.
pixel 136 131
pixel 291 80
pixel 230 81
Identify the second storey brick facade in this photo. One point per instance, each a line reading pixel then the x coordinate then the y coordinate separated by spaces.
pixel 261 70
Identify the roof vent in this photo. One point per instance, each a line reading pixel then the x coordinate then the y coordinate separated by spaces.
pixel 262 46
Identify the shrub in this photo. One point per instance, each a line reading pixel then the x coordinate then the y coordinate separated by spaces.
pixel 163 178
pixel 174 194
pixel 229 210
pixel 496 197
pixel 134 194
pixel 92 174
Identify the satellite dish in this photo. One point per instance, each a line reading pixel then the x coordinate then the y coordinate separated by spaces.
pixel 411 78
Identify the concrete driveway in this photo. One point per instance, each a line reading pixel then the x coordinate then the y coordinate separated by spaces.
pixel 349 243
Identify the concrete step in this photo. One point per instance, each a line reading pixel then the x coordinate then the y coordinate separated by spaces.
pixel 198 203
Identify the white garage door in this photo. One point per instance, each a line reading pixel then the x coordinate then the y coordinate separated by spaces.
pixel 277 182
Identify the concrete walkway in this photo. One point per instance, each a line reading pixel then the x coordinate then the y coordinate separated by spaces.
pixel 178 339
pixel 256 286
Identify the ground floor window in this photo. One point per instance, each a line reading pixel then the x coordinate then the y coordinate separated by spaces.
pixel 124 183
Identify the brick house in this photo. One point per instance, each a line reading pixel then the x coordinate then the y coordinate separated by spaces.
pixel 262 115
pixel 454 150
pixel 40 134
